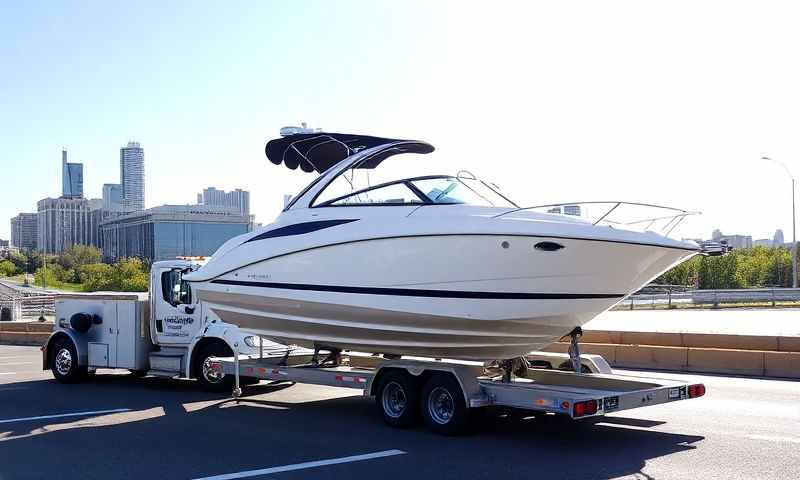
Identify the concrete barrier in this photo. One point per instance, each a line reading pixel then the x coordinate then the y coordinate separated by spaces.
pixel 694 359
pixel 695 340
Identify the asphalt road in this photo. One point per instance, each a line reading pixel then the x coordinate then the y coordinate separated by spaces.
pixel 743 428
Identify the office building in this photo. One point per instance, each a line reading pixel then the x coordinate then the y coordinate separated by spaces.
pixel 287 199
pixel 763 242
pixel 777 239
pixel 24 231
pixel 64 222
pixel 236 200
pixel 169 231
pixel 112 197
pixel 131 172
pixel 735 241
pixel 71 178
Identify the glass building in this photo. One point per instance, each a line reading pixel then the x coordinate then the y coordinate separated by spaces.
pixel 71 178
pixel 170 231
pixel 131 169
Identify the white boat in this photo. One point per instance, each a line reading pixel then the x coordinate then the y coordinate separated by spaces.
pixel 437 266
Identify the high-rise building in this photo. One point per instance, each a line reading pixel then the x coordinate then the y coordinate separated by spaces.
pixel 64 222
pixel 24 231
pixel 169 231
pixel 131 172
pixel 572 210
pixel 71 178
pixel 777 239
pixel 236 200
pixel 112 197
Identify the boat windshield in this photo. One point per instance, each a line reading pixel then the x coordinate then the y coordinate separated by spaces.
pixel 439 190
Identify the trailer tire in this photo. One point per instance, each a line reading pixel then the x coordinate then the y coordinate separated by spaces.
pixel 207 379
pixel 443 407
pixel 397 399
pixel 64 362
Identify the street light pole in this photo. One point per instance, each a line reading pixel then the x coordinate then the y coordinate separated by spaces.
pixel 794 228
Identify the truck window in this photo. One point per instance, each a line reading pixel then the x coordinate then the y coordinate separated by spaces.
pixel 174 289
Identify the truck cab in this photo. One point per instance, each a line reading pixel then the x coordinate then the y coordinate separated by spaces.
pixel 165 332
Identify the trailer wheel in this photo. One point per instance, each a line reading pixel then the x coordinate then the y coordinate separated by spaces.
pixel 397 399
pixel 443 406
pixel 211 378
pixel 64 362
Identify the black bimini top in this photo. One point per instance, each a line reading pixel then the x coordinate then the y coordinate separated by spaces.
pixel 321 151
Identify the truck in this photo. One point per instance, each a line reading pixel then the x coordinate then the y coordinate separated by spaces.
pixel 158 333
pixel 166 333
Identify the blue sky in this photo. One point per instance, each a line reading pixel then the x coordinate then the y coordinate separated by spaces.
pixel 659 103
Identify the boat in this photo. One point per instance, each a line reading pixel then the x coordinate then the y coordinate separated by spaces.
pixel 442 266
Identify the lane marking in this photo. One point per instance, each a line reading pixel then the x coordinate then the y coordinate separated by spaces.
pixel 304 465
pixel 60 415
pixel 8 373
pixel 774 438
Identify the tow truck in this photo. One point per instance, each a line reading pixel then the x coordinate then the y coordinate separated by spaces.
pixel 166 333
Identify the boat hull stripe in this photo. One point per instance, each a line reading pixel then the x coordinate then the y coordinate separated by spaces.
pixel 415 292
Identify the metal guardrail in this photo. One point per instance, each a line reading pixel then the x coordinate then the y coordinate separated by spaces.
pixel 653 297
pixel 20 304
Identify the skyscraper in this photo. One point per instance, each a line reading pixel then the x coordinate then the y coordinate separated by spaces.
pixel 131 168
pixel 777 239
pixel 236 200
pixel 71 178
pixel 112 197
pixel 25 231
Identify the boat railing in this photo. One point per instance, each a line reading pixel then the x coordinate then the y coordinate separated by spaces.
pixel 618 214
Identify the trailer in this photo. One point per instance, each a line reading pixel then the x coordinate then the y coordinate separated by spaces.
pixel 166 334
pixel 446 393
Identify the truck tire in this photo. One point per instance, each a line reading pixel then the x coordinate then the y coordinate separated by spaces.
pixel 397 399
pixel 443 407
pixel 209 379
pixel 64 362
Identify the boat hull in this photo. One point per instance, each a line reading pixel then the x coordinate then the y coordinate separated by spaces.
pixel 450 296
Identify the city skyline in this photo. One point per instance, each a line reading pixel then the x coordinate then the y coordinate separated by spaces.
pixel 551 111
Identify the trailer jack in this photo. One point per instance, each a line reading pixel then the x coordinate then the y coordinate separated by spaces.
pixel 575 349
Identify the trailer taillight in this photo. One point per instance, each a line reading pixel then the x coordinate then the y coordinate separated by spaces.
pixel 587 407
pixel 697 390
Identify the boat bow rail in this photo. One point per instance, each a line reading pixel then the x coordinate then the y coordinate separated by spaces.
pixel 618 214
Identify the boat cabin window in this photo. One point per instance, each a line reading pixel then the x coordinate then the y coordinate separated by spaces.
pixel 394 194
pixel 454 190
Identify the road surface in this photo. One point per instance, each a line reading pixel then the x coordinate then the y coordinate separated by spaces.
pixel 116 426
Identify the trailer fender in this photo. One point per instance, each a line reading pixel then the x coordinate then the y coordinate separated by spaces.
pixel 463 375
pixel 81 346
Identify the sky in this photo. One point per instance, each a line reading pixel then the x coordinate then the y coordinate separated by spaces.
pixel 667 103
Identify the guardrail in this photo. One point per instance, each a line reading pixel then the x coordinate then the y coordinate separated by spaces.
pixel 673 298
pixel 18 304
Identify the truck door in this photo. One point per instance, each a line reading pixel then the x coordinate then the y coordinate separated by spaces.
pixel 176 318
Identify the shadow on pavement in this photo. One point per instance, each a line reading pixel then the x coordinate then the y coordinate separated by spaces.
pixel 179 431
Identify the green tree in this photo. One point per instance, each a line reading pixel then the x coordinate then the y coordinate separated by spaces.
pixel 20 261
pixel 73 258
pixel 48 276
pixel 97 277
pixel 7 268
pixel 129 275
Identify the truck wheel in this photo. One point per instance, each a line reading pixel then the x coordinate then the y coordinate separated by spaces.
pixel 397 399
pixel 64 362
pixel 443 406
pixel 210 378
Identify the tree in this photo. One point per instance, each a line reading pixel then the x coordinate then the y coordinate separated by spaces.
pixel 97 276
pixel 7 268
pixel 129 275
pixel 77 256
pixel 47 277
pixel 19 260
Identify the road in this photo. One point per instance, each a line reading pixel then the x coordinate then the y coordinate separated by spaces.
pixel 130 427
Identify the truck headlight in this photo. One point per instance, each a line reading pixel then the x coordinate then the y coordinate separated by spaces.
pixel 251 341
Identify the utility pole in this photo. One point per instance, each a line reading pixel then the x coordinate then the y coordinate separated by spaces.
pixel 794 228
